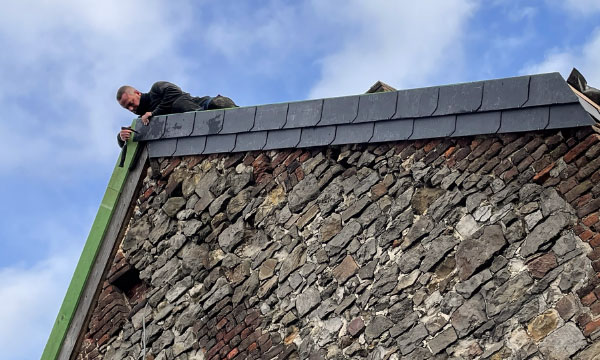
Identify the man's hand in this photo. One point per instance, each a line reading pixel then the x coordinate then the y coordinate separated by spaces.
pixel 125 134
pixel 146 118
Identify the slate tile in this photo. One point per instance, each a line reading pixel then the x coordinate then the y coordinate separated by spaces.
pixel 250 141
pixel 392 130
pixel 459 98
pixel 208 122
pixel 477 123
pixel 154 130
pixel 353 133
pixel 432 127
pixel 317 136
pixel 190 146
pixel 160 148
pixel 376 106
pixel 569 115
pixel 416 102
pixel 238 120
pixel 179 125
pixel 281 139
pixel 219 143
pixel 270 117
pixel 527 119
pixel 341 110
pixel 304 113
pixel 505 93
pixel 548 89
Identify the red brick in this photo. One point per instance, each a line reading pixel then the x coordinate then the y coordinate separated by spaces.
pixel 474 144
pixel 449 152
pixel 252 347
pixel 299 173
pixel 594 254
pixel 174 163
pixel 541 176
pixel 588 299
pixel 595 308
pixel 245 333
pixel 221 323
pixel 581 147
pixel 232 353
pixel 596 265
pixel 292 157
pixel 582 200
pixel 431 145
pixel 583 319
pixel 591 327
pixel 586 235
pixel 590 219
pixel 595 241
pixel 510 174
pixel 304 157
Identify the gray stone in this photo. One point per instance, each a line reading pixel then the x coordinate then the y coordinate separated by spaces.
pixel 238 203
pixel 293 261
pixel 231 236
pixel 331 227
pixel 468 287
pixel 184 342
pixel 591 353
pixel 442 340
pixel 165 339
pixel 346 269
pixel 267 268
pixel 306 190
pixel 532 219
pixel 419 229
pixel 552 202
pixel 365 184
pixel 469 316
pixel 411 258
pixel 341 240
pixel 405 323
pixel 173 205
pixel 179 288
pixel 355 208
pixel 219 290
pixel 356 326
pixel 191 227
pixel 438 249
pixel 377 326
pixel 411 339
pixel 476 251
pixel 217 204
pixel 467 226
pixel 544 232
pixel 563 342
pixel 474 200
pixel 424 197
pixel 307 301
pixel 247 289
pixel 565 244
pixel 507 299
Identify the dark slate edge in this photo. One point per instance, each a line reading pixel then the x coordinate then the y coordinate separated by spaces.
pixel 317 136
pixel 477 123
pixel 270 117
pixel 549 89
pixel 219 143
pixel 525 119
pixel 392 130
pixel 376 106
pixel 190 146
pixel 162 148
pixel 250 141
pixel 500 94
pixel 591 109
pixel 433 127
pixel 353 133
pixel 570 115
pixel 340 110
pixel 153 131
pixel 304 114
pixel 238 120
pixel 459 98
pixel 281 139
pixel 417 102
pixel 179 125
pixel 208 122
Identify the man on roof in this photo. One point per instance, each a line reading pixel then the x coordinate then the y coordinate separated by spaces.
pixel 164 98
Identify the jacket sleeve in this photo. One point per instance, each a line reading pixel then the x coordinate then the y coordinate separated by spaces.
pixel 168 93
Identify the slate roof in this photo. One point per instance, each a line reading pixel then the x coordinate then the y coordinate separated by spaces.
pixel 525 103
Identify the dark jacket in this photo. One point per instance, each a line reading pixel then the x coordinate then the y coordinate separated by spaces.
pixel 167 98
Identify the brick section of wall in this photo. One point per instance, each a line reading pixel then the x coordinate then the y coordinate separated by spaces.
pixel 472 247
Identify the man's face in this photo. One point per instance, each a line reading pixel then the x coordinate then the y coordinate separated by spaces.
pixel 130 100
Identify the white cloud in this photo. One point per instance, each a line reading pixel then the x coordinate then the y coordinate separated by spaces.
pixel 401 43
pixel 584 57
pixel 31 297
pixel 61 64
pixel 583 7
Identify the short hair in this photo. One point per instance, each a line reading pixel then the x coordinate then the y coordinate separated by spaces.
pixel 124 89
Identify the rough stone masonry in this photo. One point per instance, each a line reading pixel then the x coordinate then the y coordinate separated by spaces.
pixel 484 247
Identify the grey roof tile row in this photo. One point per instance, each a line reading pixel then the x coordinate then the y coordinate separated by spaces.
pixel 482 96
pixel 525 103
pixel 529 119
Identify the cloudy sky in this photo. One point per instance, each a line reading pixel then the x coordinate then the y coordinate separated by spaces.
pixel 61 62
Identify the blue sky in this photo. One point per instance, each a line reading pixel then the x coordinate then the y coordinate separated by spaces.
pixel 62 61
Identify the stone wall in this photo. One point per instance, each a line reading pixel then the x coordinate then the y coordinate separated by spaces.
pixel 485 247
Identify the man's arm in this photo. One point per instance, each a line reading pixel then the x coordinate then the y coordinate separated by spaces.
pixel 168 92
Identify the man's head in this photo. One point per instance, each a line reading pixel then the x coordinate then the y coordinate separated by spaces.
pixel 129 98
